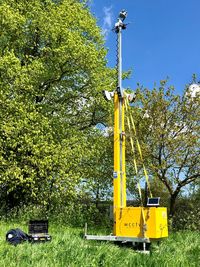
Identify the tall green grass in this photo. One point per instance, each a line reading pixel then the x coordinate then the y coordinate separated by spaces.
pixel 68 248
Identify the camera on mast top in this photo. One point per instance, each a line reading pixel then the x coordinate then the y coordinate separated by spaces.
pixel 123 14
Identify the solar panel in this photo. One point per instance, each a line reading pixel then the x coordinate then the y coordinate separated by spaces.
pixel 153 201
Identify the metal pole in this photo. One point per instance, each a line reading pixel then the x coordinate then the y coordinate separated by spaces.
pixel 119 60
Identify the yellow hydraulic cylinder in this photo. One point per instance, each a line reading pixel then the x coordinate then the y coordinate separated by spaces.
pixel 119 156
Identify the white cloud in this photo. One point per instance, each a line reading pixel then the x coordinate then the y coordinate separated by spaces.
pixel 107 20
pixel 193 91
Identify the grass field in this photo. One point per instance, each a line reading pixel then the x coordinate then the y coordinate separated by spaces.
pixel 68 248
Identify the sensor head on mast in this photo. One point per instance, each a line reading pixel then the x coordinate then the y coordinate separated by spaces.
pixel 120 24
pixel 123 14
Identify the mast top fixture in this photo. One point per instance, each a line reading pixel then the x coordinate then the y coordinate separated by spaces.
pixel 119 24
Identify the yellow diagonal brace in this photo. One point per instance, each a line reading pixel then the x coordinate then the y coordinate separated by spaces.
pixel 127 107
pixel 143 216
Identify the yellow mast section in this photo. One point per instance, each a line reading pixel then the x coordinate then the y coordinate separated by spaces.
pixel 119 154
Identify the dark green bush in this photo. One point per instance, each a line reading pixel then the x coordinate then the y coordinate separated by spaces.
pixel 187 216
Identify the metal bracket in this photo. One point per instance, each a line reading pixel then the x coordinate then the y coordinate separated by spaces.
pixel 117 238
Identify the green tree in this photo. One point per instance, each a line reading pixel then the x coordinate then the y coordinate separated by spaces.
pixel 169 137
pixel 52 72
pixel 98 168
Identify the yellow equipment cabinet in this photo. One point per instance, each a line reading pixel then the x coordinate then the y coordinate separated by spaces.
pixel 129 222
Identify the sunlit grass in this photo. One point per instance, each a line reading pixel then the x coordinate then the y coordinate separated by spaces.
pixel 68 248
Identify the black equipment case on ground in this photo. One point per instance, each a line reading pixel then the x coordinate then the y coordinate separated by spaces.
pixel 38 231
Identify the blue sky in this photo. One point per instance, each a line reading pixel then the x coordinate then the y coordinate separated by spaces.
pixel 162 39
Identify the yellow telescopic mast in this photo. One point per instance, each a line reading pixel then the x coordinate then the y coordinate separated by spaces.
pixel 131 224
pixel 119 174
pixel 143 224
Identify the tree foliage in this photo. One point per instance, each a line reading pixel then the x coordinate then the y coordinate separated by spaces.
pixel 53 69
pixel 169 137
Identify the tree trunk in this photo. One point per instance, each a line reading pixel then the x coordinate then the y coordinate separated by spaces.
pixel 97 200
pixel 172 204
